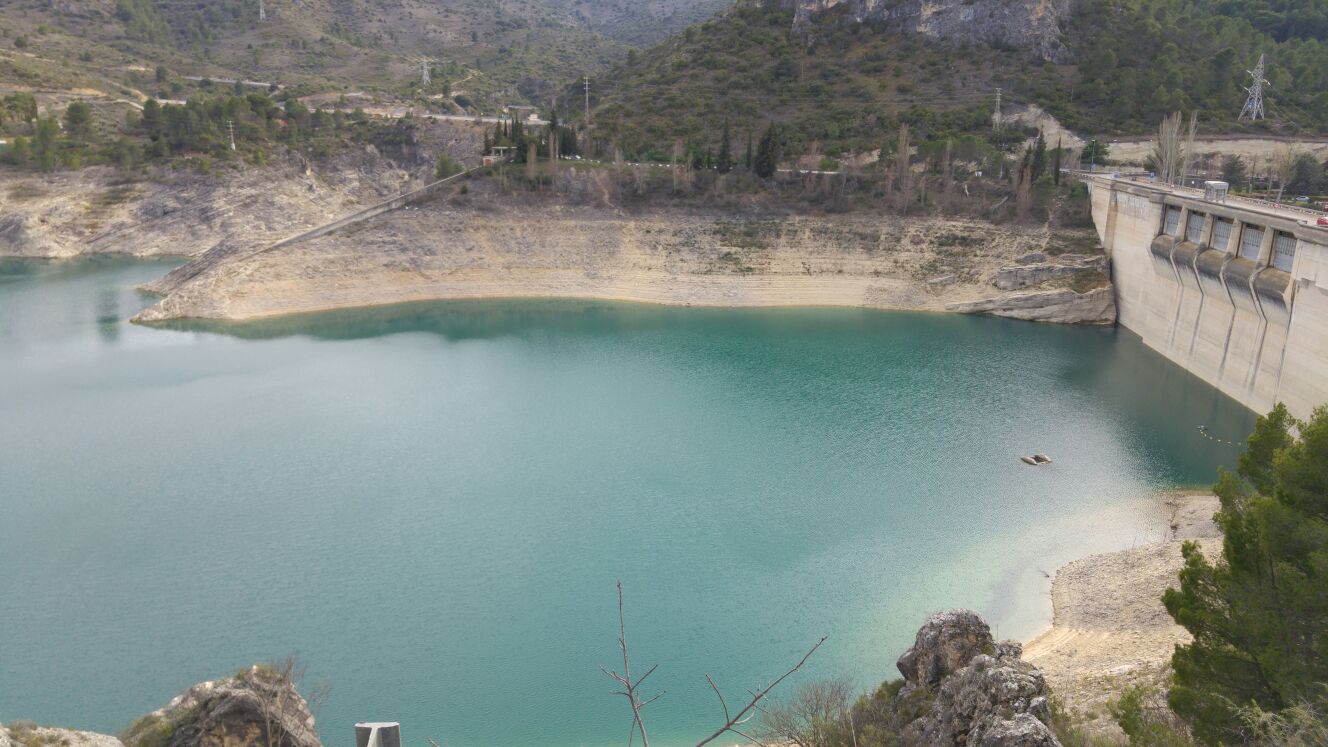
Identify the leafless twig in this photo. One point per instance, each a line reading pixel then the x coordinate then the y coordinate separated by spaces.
pixel 630 686
pixel 732 720
pixel 744 715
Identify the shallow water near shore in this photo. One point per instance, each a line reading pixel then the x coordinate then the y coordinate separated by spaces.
pixel 430 504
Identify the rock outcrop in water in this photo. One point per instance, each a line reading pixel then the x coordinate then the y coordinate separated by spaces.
pixel 963 687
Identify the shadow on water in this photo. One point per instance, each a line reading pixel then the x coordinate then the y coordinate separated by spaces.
pixel 1167 402
pixel 14 269
pixel 1142 386
pixel 487 319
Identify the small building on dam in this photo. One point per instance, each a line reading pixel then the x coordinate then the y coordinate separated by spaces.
pixel 1235 291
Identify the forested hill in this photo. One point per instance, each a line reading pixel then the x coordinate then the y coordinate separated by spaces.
pixel 496 52
pixel 848 84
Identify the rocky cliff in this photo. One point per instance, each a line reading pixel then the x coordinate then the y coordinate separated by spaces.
pixel 967 688
pixel 1031 25
pixel 259 707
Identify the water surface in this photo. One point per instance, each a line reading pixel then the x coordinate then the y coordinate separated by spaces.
pixel 430 504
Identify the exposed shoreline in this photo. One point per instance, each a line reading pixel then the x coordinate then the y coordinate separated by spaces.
pixel 1109 629
pixel 676 256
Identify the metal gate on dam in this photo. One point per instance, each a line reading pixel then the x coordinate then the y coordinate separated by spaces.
pixel 1235 291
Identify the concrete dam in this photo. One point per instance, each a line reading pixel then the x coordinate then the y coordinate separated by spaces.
pixel 1235 291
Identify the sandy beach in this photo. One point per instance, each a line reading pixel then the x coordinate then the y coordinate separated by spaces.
pixel 1109 629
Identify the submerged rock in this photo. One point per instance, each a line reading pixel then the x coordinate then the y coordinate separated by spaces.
pixel 257 708
pixel 963 687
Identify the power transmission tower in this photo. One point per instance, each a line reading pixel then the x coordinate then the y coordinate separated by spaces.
pixel 424 72
pixel 1254 103
pixel 262 11
pixel 587 100
pixel 230 127
pixel 996 116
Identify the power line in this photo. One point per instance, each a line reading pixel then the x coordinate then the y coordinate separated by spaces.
pixel 1254 102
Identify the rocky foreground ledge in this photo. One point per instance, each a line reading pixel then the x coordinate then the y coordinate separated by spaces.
pixel 960 686
pixel 256 708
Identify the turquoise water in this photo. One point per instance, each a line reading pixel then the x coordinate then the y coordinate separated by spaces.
pixel 431 504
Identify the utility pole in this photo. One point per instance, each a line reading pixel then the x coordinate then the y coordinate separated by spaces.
pixel 1254 103
pixel 230 127
pixel 424 72
pixel 587 100
pixel 262 11
pixel 996 116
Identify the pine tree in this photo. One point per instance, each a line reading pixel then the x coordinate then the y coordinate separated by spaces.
pixel 725 161
pixel 767 153
pixel 747 161
pixel 1259 617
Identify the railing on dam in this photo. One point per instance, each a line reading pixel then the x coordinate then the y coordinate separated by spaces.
pixel 1231 199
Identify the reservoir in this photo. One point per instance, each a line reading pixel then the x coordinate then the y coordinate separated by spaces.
pixel 430 504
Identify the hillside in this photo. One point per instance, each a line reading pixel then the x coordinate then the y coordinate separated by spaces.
pixel 495 52
pixel 846 78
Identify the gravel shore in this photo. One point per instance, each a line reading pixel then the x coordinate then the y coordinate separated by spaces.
pixel 1109 629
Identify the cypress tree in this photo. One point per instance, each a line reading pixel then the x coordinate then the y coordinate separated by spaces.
pixel 1039 163
pixel 1056 166
pixel 725 161
pixel 767 153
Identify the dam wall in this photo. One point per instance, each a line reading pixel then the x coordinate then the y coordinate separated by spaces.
pixel 1234 291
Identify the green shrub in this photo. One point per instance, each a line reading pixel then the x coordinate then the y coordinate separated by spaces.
pixel 446 166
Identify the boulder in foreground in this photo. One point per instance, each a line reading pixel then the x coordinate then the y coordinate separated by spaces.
pixel 256 708
pixel 963 687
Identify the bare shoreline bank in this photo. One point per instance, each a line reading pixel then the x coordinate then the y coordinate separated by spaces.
pixel 1109 629
pixel 677 256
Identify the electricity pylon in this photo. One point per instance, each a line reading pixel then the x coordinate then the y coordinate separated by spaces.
pixel 1254 103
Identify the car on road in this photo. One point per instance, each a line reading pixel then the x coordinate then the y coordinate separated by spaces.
pixel 1323 220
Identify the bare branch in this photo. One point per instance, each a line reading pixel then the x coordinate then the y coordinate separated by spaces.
pixel 625 679
pixel 719 695
pixel 756 698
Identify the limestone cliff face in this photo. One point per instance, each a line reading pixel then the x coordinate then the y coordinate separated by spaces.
pixel 1032 25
